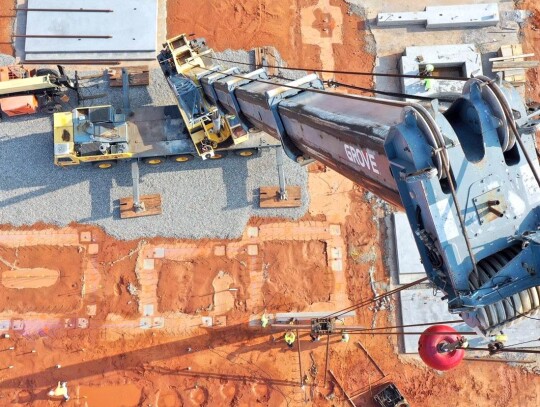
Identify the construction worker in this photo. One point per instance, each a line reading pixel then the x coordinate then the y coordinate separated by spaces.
pixel 264 320
pixel 428 73
pixel 345 337
pixel 501 337
pixel 290 337
pixel 60 391
pixel 497 343
pixel 315 337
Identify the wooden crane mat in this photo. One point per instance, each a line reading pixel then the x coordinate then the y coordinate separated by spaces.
pixel 152 206
pixel 269 197
pixel 138 76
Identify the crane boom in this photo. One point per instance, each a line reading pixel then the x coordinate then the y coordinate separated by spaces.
pixel 466 177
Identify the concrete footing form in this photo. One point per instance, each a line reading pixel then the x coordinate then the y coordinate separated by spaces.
pixel 126 30
pixel 462 59
pixel 458 16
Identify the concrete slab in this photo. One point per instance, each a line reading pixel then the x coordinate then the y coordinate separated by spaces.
pixel 132 26
pixel 464 57
pixel 107 56
pixel 410 268
pixel 458 16
pixel 421 306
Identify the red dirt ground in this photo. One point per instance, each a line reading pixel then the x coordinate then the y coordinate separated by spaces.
pixel 245 24
pixel 531 43
pixel 63 296
pixel 298 275
pixel 6 26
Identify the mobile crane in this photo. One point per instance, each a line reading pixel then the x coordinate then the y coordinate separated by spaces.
pixel 467 177
pixel 103 135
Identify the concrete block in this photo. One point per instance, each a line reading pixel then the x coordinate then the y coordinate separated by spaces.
pixel 4 324
pixel 220 320
pixel 148 264
pixel 132 26
pixel 85 237
pixel 158 322
pixel 219 250
pixel 253 250
pixel 82 323
pixel 145 323
pixel 335 230
pixel 408 257
pixel 148 309
pixel 337 265
pixel 462 56
pixel 93 248
pixel 207 322
pixel 159 253
pixel 17 325
pixel 91 310
pixel 457 16
pixel 253 231
pixel 336 253
pixel 464 15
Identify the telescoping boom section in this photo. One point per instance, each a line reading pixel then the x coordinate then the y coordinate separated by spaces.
pixel 466 177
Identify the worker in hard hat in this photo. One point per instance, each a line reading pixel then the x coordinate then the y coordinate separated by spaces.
pixel 501 337
pixel 60 391
pixel 427 73
pixel 345 337
pixel 428 70
pixel 290 337
pixel 264 320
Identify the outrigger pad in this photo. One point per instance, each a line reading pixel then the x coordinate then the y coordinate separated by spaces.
pixel 269 197
pixel 152 206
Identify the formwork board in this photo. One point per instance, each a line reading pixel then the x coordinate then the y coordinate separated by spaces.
pixel 132 26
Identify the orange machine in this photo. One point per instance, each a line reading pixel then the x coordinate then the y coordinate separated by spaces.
pixel 19 105
pixel 26 91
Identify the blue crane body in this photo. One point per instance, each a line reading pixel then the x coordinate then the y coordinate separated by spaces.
pixel 465 176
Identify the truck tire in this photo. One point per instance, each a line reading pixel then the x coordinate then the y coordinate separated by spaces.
pixel 248 152
pixel 104 165
pixel 44 71
pixel 218 155
pixel 182 158
pixel 50 109
pixel 153 160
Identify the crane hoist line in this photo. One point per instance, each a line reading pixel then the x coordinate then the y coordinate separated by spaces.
pixel 466 176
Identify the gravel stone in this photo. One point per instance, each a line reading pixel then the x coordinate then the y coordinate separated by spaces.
pixel 200 199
